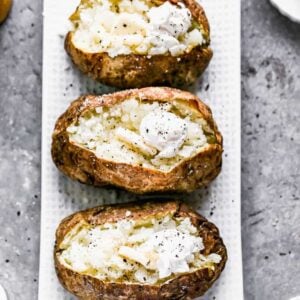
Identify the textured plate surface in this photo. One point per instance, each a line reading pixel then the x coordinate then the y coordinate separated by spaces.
pixel 219 88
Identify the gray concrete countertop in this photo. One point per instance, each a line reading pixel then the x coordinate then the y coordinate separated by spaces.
pixel 270 151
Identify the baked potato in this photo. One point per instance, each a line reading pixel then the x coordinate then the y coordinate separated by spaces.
pixel 137 43
pixel 143 140
pixel 154 250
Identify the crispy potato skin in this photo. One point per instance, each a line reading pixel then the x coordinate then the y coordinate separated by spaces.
pixel 186 286
pixel 135 71
pixel 81 164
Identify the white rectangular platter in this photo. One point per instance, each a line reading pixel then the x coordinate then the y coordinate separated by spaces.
pixel 219 88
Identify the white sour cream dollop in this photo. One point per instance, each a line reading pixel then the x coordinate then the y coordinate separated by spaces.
pixel 171 19
pixel 175 250
pixel 164 131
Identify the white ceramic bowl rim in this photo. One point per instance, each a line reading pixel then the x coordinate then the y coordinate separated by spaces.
pixel 289 8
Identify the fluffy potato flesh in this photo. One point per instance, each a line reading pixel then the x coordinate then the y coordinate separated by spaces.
pixel 151 134
pixel 141 27
pixel 147 251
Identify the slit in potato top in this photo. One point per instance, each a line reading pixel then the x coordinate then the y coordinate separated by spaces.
pixel 146 251
pixel 139 27
pixel 151 134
